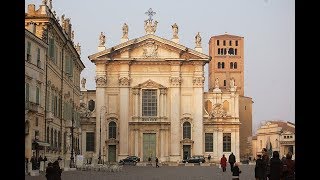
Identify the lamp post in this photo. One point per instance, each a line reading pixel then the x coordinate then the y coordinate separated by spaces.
pixel 101 111
pixel 72 165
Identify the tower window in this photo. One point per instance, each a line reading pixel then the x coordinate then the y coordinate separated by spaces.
pixel 231 65
pixel 230 43
pixel 222 65
pixel 219 65
pixel 235 51
pixel 236 42
pixel 225 51
pixel 235 65
pixel 224 82
pixel 230 51
pixel 224 42
pixel 217 42
pixel 218 50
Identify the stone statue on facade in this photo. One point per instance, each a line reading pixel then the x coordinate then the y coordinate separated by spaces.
pixel 102 39
pixel 216 83
pixel 50 4
pixel 78 48
pixel 44 2
pixel 83 81
pixel 72 35
pixel 175 30
pixel 125 30
pixel 62 21
pixel 232 83
pixel 198 40
pixel 150 27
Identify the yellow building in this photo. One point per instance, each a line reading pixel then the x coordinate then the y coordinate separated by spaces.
pixel 61 82
pixel 227 65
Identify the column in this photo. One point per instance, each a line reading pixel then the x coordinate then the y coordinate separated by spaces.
pixel 124 85
pixel 236 143
pixel 136 93
pixel 136 142
pixel 162 143
pixel 215 145
pixel 175 81
pixel 197 111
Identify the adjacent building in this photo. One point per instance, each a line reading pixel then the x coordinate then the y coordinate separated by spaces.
pixel 275 136
pixel 53 68
pixel 227 67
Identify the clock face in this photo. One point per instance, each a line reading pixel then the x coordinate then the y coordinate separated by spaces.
pixel 231 51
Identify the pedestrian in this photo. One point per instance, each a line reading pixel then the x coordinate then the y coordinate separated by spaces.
pixel 288 168
pixel 231 160
pixel 223 163
pixel 149 160
pixel 50 172
pixel 39 161
pixel 209 157
pixel 236 172
pixel 57 170
pixel 265 163
pixel 157 161
pixel 275 167
pixel 259 169
pixel 34 161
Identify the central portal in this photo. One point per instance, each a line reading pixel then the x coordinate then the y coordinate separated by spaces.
pixel 149 146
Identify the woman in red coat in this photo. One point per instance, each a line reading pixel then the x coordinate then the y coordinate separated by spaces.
pixel 223 163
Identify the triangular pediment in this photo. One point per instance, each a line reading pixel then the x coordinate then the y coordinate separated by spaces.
pixel 149 47
pixel 149 84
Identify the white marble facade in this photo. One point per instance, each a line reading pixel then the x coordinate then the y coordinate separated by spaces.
pixel 174 76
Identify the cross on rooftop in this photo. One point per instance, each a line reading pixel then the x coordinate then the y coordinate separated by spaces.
pixel 150 13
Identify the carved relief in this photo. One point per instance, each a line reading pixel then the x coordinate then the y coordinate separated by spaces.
pixel 218 111
pixel 101 81
pixel 198 81
pixel 124 81
pixel 163 91
pixel 136 91
pixel 175 81
pixel 84 111
pixel 150 50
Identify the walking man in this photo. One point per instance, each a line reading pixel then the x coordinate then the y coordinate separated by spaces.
pixel 157 161
pixel 232 160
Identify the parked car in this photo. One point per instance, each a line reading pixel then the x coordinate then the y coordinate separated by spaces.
pixel 130 160
pixel 195 159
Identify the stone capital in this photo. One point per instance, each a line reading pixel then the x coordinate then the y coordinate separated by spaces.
pixel 175 81
pixel 124 81
pixel 101 81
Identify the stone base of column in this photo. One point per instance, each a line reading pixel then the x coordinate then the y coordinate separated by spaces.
pixel 199 49
pixel 217 90
pixel 101 48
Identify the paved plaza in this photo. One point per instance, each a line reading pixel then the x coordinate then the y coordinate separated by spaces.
pixel 163 173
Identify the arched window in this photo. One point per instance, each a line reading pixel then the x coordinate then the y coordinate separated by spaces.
pixel 235 51
pixel 55 138
pixel 222 65
pixel 226 106
pixel 224 82
pixel 231 65
pixel 225 51
pixel 219 65
pixel 218 50
pixel 235 65
pixel 230 43
pixel 218 42
pixel 186 130
pixel 112 130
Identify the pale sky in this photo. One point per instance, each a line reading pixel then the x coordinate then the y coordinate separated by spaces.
pixel 268 28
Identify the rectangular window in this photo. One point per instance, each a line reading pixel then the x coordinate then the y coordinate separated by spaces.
pixel 226 142
pixel 38 58
pixel 51 48
pixel 29 51
pixel 37 121
pixel 236 42
pixel 217 42
pixel 224 42
pixel 208 142
pixel 90 141
pixel 230 43
pixel 38 95
pixel 149 102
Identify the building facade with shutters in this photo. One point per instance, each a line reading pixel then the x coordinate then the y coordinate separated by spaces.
pixel 60 66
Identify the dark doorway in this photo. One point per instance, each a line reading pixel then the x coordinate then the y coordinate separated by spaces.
pixel 186 151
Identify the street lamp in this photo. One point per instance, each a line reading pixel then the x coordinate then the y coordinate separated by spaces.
pixel 101 111
pixel 72 165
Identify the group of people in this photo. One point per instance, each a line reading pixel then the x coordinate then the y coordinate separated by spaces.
pixel 35 162
pixel 274 168
pixel 234 166
pixel 157 161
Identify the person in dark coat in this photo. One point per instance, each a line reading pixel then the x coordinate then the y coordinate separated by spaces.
pixel 223 163
pixel 33 162
pixel 259 169
pixel 232 160
pixel 57 170
pixel 236 172
pixel 275 167
pixel 50 172
pixel 289 168
pixel 265 163
pixel 157 161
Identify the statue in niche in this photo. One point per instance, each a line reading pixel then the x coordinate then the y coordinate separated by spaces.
pixel 83 81
pixel 175 29
pixel 198 40
pixel 125 30
pixel 102 39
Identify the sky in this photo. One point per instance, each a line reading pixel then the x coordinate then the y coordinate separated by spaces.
pixel 268 28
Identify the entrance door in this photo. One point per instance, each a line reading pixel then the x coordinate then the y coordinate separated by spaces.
pixel 112 153
pixel 186 151
pixel 149 146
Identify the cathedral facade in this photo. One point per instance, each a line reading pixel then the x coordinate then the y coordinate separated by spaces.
pixel 150 102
